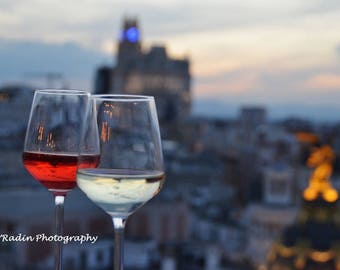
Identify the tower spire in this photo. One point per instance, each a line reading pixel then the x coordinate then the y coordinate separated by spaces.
pixel 129 46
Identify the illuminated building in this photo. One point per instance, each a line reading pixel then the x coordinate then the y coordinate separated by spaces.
pixel 313 241
pixel 148 72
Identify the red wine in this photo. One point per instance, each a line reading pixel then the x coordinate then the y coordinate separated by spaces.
pixel 57 172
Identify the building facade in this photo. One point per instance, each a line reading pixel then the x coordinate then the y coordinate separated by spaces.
pixel 148 72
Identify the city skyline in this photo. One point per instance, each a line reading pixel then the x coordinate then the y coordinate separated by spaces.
pixel 284 56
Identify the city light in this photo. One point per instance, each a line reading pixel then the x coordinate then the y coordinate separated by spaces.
pixel 40 133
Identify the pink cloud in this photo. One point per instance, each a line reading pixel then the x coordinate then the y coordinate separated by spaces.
pixel 322 82
pixel 234 85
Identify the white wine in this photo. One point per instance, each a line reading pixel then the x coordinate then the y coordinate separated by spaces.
pixel 119 192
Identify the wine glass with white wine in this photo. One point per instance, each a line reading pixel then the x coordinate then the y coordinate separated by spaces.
pixel 124 130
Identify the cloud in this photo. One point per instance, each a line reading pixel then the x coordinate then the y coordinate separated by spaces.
pixel 22 59
pixel 241 51
pixel 303 86
pixel 229 84
pixel 338 50
pixel 93 22
pixel 323 82
pixel 8 5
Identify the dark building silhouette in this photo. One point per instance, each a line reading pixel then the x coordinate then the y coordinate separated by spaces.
pixel 148 72
pixel 251 117
pixel 103 79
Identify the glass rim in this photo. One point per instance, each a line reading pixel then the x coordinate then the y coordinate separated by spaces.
pixel 122 97
pixel 52 91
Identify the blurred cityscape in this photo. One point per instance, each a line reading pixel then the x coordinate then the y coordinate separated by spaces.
pixel 232 187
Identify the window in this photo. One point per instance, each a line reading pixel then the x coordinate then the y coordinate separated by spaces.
pixel 100 256
pixel 278 186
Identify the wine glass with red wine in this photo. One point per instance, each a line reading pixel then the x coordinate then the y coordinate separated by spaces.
pixel 51 149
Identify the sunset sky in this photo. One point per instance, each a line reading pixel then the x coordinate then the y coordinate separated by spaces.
pixel 282 54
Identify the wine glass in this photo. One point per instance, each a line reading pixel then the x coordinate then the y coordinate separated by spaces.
pixel 130 171
pixel 51 147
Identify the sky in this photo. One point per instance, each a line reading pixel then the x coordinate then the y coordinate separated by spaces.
pixel 284 55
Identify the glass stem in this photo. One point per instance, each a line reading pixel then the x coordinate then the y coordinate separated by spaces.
pixel 119 225
pixel 59 223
